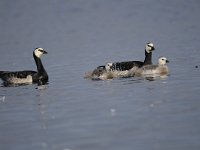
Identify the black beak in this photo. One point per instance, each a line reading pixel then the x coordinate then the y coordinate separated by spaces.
pixel 152 48
pixel 44 52
pixel 167 61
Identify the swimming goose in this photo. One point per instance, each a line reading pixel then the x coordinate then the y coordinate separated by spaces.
pixel 100 71
pixel 127 65
pixel 159 69
pixel 27 76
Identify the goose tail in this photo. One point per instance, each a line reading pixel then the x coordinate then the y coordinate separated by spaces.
pixel 1 73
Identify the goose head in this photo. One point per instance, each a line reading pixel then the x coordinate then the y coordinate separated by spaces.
pixel 149 47
pixel 162 61
pixel 38 52
pixel 109 66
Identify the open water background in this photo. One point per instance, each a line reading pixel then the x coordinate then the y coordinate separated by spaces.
pixel 73 113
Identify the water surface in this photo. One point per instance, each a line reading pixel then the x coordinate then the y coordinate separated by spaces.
pixel 73 113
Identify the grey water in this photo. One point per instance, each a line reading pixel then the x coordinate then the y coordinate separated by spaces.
pixel 73 113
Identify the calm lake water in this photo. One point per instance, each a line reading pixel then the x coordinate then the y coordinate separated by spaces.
pixel 73 113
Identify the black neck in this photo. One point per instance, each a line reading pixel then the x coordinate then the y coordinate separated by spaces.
pixel 147 60
pixel 40 68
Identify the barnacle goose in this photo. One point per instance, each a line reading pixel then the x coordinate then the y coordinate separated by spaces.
pixel 159 69
pixel 27 76
pixel 127 65
pixel 101 72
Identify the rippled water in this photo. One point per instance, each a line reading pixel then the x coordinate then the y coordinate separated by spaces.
pixel 73 113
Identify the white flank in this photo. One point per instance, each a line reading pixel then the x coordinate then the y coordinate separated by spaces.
pixel 15 80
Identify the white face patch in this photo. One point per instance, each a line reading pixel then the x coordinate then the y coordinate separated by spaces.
pixel 108 66
pixel 38 52
pixel 150 44
pixel 149 47
pixel 162 61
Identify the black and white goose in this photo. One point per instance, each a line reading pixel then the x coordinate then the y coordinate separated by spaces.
pixel 101 72
pixel 28 76
pixel 127 65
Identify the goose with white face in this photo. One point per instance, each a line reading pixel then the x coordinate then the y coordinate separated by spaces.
pixel 38 52
pixel 27 76
pixel 127 65
pixel 154 70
